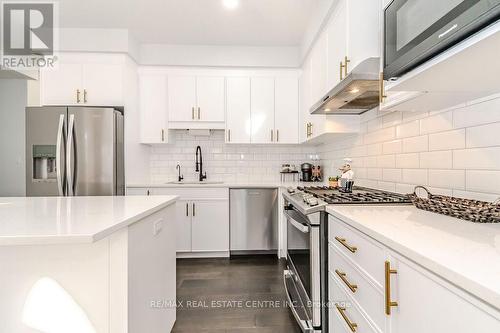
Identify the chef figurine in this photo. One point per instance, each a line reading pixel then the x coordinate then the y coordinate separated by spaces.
pixel 346 180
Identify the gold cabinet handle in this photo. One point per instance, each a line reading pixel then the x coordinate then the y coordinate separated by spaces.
pixel 382 95
pixel 78 96
pixel 346 61
pixel 343 241
pixel 194 210
pixel 187 209
pixel 352 326
pixel 162 135
pixel 343 277
pixel 341 70
pixel 272 135
pixel 192 113
pixel 311 129
pixel 277 135
pixel 388 302
pixel 199 113
pixel 84 95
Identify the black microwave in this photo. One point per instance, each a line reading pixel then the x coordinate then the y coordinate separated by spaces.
pixel 417 30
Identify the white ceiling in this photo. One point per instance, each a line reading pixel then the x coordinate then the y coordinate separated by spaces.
pixel 195 22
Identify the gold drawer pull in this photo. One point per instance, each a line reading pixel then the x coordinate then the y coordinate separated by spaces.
pixel 352 326
pixel 388 302
pixel 343 241
pixel 343 277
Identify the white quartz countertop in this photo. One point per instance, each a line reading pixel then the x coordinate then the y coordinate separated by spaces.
pixel 64 220
pixel 464 253
pixel 276 184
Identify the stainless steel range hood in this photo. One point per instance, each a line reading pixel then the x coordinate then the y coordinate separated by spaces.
pixel 357 93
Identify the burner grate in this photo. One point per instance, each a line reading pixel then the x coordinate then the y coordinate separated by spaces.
pixel 359 195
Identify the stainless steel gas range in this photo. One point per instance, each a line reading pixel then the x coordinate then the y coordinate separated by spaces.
pixel 306 274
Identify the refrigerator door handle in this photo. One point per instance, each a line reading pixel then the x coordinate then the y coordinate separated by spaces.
pixel 59 145
pixel 69 147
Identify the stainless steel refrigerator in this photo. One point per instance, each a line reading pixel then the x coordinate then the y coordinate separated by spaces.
pixel 74 151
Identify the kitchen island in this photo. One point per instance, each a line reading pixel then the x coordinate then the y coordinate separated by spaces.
pixel 87 264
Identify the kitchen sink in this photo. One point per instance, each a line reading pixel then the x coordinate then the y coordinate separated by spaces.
pixel 206 182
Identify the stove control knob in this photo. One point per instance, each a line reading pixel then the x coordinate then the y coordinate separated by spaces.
pixel 290 190
pixel 312 201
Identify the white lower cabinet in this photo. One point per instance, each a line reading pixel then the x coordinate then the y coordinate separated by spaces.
pixel 201 219
pixel 421 301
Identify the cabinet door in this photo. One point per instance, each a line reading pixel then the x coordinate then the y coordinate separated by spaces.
pixel 286 113
pixel 102 84
pixel 363 31
pixel 183 225
pixel 210 98
pixel 262 110
pixel 337 43
pixel 318 68
pixel 59 86
pixel 238 123
pixel 182 98
pixel 153 108
pixel 424 301
pixel 210 225
pixel 304 100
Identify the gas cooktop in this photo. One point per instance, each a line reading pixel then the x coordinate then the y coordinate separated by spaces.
pixel 359 195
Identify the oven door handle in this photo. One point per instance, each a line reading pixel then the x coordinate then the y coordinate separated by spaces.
pixel 305 325
pixel 298 225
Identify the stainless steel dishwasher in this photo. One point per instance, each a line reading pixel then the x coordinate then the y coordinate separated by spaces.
pixel 253 220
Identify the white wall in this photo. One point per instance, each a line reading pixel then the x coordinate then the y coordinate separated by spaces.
pixel 224 162
pixel 12 137
pixel 453 152
pixel 219 56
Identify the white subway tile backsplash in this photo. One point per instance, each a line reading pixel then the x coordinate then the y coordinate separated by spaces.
pixel 436 160
pixel 415 176
pixel 483 136
pixel 386 186
pixel 392 175
pixel 437 123
pixel 386 161
pixel 489 197
pixel 447 140
pixel 408 160
pixel 380 135
pixel 392 147
pixel 453 179
pixel 374 174
pixel 477 114
pixel 392 119
pixel 478 158
pixel 483 181
pixel 408 130
pixel 416 144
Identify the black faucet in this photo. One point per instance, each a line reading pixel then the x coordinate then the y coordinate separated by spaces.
pixel 179 178
pixel 199 165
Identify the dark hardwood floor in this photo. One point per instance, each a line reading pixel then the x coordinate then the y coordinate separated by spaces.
pixel 244 294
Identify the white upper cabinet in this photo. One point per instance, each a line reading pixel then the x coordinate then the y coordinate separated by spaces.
pixel 93 80
pixel 153 108
pixel 363 27
pixel 337 44
pixel 182 98
pixel 62 85
pixel 318 68
pixel 238 121
pixel 286 112
pixel 193 99
pixel 262 110
pixel 210 98
pixel 102 84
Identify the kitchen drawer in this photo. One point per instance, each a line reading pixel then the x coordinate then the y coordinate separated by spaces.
pixel 193 193
pixel 369 297
pixel 337 323
pixel 364 252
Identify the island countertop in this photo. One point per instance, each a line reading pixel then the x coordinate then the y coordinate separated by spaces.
pixel 466 254
pixel 72 220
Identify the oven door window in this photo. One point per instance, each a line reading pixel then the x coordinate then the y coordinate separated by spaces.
pixel 299 250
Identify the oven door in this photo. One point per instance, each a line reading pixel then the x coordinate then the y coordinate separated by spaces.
pixel 416 30
pixel 302 278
